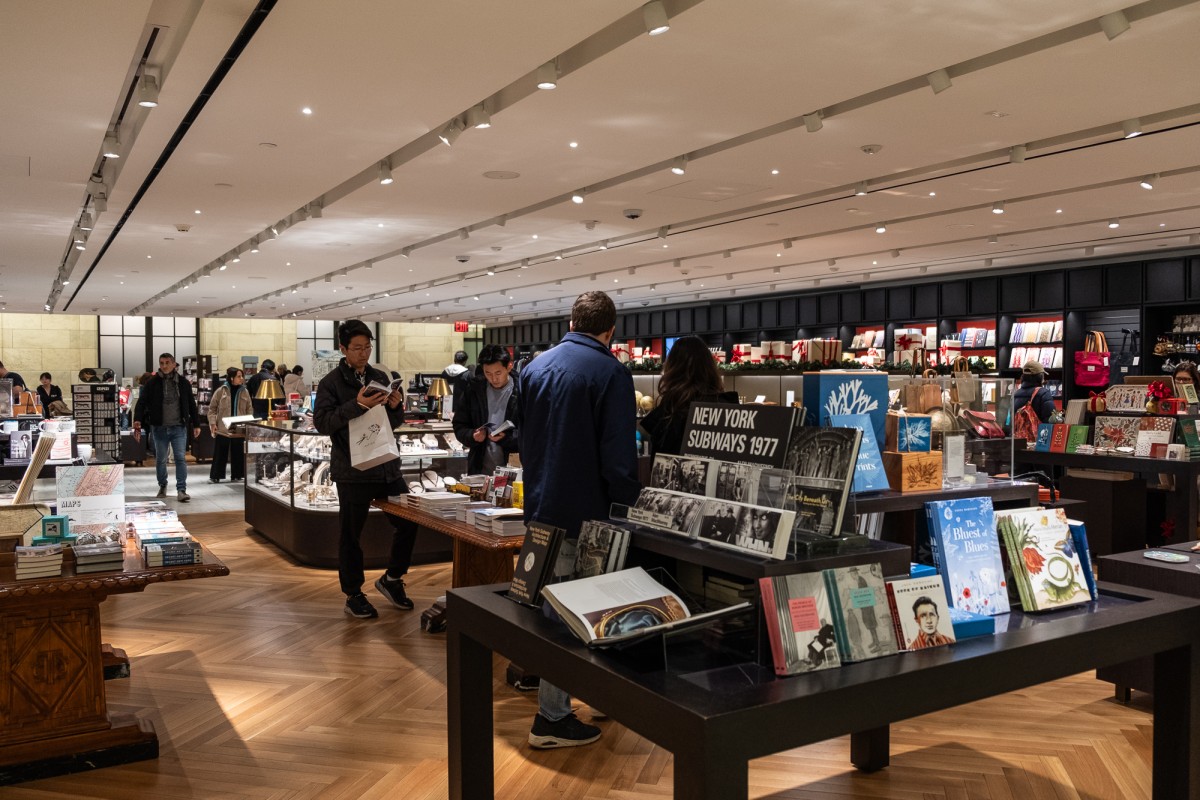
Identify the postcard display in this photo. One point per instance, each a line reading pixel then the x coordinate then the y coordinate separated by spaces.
pixel 97 416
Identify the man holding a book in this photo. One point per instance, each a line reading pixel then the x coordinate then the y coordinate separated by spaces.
pixel 578 425
pixel 484 413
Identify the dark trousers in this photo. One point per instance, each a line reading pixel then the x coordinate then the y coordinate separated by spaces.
pixel 228 449
pixel 354 502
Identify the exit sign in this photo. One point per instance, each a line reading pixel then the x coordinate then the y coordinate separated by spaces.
pixel 461 326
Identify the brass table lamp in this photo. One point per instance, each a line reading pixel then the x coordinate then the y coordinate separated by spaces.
pixel 438 389
pixel 270 390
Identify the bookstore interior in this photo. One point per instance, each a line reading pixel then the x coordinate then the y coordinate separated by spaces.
pixel 951 296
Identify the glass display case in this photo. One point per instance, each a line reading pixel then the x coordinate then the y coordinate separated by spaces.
pixel 291 499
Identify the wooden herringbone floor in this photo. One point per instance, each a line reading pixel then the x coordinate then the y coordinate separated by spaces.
pixel 260 687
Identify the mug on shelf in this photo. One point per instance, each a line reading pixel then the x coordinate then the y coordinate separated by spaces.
pixel 49 426
pixel 9 425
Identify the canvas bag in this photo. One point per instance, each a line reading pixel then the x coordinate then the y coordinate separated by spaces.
pixel 1091 365
pixel 1025 421
pixel 371 440
pixel 964 390
pixel 1125 361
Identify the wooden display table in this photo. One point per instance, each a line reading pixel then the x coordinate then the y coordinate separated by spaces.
pixel 53 715
pixel 715 722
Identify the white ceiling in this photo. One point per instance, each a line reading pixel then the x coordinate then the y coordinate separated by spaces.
pixel 727 85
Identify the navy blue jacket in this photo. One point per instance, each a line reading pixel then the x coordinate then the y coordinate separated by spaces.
pixel 1043 404
pixel 578 443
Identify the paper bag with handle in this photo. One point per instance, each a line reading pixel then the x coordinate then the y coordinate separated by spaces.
pixel 964 389
pixel 371 440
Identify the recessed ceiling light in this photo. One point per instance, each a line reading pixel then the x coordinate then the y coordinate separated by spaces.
pixel 534 236
pixel 1058 211
pixel 774 172
pixel 197 211
pixel 573 144
pixel 933 194
pixel 881 227
pixel 149 256
pixel 996 114
pixel 306 111
pixel 380 224
pixel 1114 223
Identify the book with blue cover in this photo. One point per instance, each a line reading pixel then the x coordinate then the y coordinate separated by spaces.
pixel 1080 542
pixel 868 469
pixel 966 551
pixel 862 620
pixel 968 624
pixel 1044 432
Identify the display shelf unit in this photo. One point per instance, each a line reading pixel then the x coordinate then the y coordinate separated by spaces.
pixel 976 337
pixel 291 500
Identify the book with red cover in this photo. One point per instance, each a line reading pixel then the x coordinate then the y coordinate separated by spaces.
pixel 1058 439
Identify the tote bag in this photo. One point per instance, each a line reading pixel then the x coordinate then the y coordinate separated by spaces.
pixel 371 440
pixel 1091 365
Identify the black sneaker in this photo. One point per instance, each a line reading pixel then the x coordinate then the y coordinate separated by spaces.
pixel 527 683
pixel 162 492
pixel 393 591
pixel 357 605
pixel 567 732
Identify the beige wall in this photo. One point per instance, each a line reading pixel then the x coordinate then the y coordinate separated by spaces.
pixel 61 344
pixel 411 347
pixel 230 339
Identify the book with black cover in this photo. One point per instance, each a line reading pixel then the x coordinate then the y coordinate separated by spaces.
pixel 823 474
pixel 599 549
pixel 535 564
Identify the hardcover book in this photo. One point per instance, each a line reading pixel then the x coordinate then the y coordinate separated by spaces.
pixel 1044 434
pixel 1017 359
pixel 535 564
pixel 966 551
pixel 1113 432
pixel 868 468
pixel 674 512
pixel 920 613
pixel 1045 564
pixel 757 530
pixel 980 338
pixel 1079 539
pixel 862 619
pixel 1147 439
pixel 1058 439
pixel 1190 435
pixel 1076 435
pixel 622 606
pixel 600 549
pixel 799 623
pixel 690 474
pixel 823 475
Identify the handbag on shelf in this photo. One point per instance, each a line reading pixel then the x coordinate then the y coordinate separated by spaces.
pixel 981 424
pixel 964 389
pixel 1092 363
pixel 1124 362
pixel 931 392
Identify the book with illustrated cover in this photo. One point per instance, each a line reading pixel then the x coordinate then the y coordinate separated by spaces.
pixel 799 623
pixel 1044 433
pixel 1147 438
pixel 823 475
pixel 980 338
pixel 1191 437
pixel 1014 336
pixel 1058 439
pixel 990 339
pixel 601 548
pixel 1045 564
pixel 1017 359
pixel 920 613
pixel 622 606
pixel 1076 435
pixel 1057 333
pixel 535 564
pixel 966 551
pixel 868 468
pixel 862 619
pixel 1080 540
pixel 1113 432
pixel 757 530
pixel 673 512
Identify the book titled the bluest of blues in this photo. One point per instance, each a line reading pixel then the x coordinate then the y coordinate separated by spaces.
pixel 868 470
pixel 966 551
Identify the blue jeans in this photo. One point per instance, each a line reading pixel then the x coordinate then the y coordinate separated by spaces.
pixel 166 439
pixel 554 703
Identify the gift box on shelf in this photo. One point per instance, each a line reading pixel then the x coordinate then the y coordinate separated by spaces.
pixel 908 433
pixel 800 350
pixel 832 392
pixel 914 471
pixel 741 353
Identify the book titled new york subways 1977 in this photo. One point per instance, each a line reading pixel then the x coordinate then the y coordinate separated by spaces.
pixel 535 564
pixel 966 551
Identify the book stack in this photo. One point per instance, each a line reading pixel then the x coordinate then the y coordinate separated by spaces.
pixel 176 554
pixel 439 504
pixel 465 511
pixel 511 521
pixel 100 557
pixel 39 561
pixel 728 591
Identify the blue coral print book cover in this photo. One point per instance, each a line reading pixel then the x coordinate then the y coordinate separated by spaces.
pixel 868 470
pixel 966 551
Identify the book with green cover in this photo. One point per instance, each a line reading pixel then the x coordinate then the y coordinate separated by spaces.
pixel 862 620
pixel 1076 435
pixel 1187 430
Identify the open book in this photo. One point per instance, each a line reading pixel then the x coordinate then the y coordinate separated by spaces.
pixel 395 386
pixel 622 606
pixel 491 428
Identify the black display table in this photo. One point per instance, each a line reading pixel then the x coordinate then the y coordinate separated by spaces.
pixel 714 732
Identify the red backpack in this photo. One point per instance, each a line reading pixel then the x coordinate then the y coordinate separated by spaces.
pixel 1026 421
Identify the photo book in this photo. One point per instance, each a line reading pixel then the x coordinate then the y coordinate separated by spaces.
pixel 799 620
pixel 756 530
pixel 601 548
pixel 673 512
pixel 824 473
pixel 862 618
pixel 623 606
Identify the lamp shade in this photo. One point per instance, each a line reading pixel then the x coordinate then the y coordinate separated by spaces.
pixel 438 388
pixel 269 390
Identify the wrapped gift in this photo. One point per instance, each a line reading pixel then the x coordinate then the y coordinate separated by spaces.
pixel 756 354
pixel 741 353
pixel 799 350
pixel 637 353
pixel 718 354
pixel 913 472
pixel 621 351
pixel 908 433
pixel 949 350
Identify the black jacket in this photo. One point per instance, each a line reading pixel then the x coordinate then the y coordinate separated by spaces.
pixel 666 433
pixel 337 404
pixel 47 398
pixel 471 411
pixel 1043 404
pixel 262 408
pixel 149 410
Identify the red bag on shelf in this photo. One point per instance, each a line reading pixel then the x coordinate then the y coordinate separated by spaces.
pixel 1091 363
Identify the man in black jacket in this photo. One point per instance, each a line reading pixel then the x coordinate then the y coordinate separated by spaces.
pixel 490 399
pixel 167 404
pixel 342 395
pixel 457 376
pixel 262 408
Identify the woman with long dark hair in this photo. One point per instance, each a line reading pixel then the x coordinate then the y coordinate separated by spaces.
pixel 231 399
pixel 689 375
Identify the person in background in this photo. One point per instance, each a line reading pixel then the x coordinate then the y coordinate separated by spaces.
pixel 168 405
pixel 18 383
pixel 342 395
pixel 689 375
pixel 229 400
pixel 47 393
pixel 1185 373
pixel 577 420
pixel 281 372
pixel 492 398
pixel 1033 376
pixel 266 371
pixel 457 376
pixel 293 382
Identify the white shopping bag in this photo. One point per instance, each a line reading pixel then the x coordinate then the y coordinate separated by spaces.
pixel 371 439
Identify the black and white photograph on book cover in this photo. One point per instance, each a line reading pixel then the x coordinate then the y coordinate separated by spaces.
pixel 735 481
pixel 674 512
pixel 751 529
pixel 827 456
pixel 688 474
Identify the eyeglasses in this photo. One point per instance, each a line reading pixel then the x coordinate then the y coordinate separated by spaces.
pixel 360 350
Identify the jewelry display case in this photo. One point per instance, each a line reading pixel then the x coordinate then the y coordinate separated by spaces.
pixel 292 501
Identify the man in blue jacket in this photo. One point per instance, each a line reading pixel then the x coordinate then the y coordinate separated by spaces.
pixel 578 425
